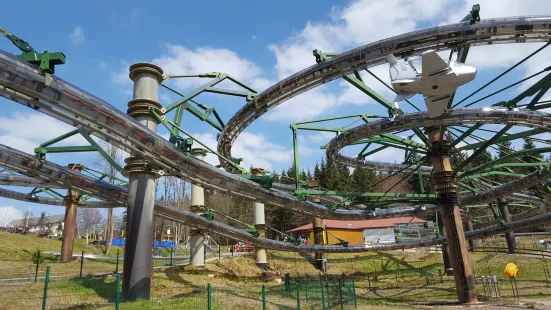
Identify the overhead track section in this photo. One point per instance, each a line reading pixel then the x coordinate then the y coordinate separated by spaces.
pixel 64 177
pixel 523 29
pixel 116 194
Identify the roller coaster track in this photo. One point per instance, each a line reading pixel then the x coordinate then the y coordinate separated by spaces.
pixel 23 83
pixel 490 31
pixel 65 177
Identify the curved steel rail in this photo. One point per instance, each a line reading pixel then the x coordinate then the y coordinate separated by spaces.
pixel 52 201
pixel 490 31
pixel 116 194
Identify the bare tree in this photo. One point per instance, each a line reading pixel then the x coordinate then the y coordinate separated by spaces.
pixel 89 218
pixel 112 173
pixel 27 215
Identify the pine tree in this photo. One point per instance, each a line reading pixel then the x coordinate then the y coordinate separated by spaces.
pixel 276 177
pixel 317 172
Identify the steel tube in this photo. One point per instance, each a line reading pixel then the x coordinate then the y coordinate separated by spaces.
pixel 259 222
pixel 141 187
pixel 197 237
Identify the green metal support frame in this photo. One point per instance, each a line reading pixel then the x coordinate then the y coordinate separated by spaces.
pixel 46 61
pixel 183 103
pixel 46 147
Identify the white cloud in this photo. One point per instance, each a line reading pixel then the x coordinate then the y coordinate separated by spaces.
pixel 25 131
pixel 255 149
pixel 8 214
pixel 77 35
pixel 181 60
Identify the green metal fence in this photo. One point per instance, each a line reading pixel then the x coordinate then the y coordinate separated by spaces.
pixel 104 292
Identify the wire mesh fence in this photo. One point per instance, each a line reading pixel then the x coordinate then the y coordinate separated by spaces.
pixel 105 292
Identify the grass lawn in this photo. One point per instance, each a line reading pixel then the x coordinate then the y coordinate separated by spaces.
pixel 383 280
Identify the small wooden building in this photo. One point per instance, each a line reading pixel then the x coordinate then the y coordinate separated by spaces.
pixel 358 232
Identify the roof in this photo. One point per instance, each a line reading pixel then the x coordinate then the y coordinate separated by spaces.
pixel 361 225
pixel 50 219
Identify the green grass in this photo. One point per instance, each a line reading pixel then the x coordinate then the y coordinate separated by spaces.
pixel 395 279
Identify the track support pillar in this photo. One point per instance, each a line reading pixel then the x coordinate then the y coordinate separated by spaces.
pixel 136 282
pixel 472 242
pixel 445 183
pixel 317 225
pixel 70 222
pixel 445 250
pixel 510 235
pixel 197 238
pixel 259 222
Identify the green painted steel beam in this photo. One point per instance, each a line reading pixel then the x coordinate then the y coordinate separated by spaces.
pixel 509 137
pixel 372 151
pixel 502 74
pixel 483 147
pixel 100 150
pixel 228 92
pixel 404 141
pixel 465 134
pixel 373 195
pixel 489 165
pixel 362 116
pixel 491 173
pixel 67 149
pixel 195 92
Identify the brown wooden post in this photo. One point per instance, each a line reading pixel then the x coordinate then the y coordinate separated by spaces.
pixel 445 183
pixel 70 222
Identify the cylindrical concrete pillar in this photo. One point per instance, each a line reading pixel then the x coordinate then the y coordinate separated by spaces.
pixel 510 235
pixel 70 222
pixel 259 222
pixel 445 183
pixel 197 238
pixel 141 186
pixel 445 251
pixel 472 242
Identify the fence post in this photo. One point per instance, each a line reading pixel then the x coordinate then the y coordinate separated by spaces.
pixel 118 291
pixel 171 253
pixel 369 281
pixel 287 285
pixel 209 296
pixel 263 297
pixel 354 292
pixel 306 287
pixel 440 275
pixel 298 295
pixel 219 253
pixel 81 262
pixel 45 295
pixel 322 296
pixel 117 265
pixel 327 290
pixel 340 293
pixel 37 264
pixel 427 277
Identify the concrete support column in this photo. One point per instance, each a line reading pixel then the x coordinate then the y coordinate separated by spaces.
pixel 70 222
pixel 472 242
pixel 259 222
pixel 197 238
pixel 510 235
pixel 445 183
pixel 136 282
pixel 445 250
pixel 317 225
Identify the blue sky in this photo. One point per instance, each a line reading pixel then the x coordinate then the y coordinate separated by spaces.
pixel 258 42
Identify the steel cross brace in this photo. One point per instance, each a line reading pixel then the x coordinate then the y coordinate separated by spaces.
pixel 182 104
pixel 356 80
pixel 45 147
pixel 46 61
